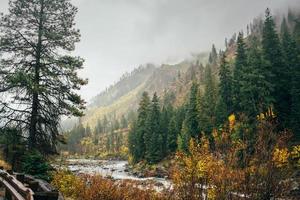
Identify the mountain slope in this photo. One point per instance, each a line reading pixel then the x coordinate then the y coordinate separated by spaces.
pixel 124 96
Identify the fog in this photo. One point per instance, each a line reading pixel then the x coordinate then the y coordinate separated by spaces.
pixel 119 35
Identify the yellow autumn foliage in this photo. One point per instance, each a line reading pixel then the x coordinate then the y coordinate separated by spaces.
pixel 211 194
pixel 295 154
pixel 68 184
pixel 280 157
pixel 269 114
pixel 231 120
pixel 5 165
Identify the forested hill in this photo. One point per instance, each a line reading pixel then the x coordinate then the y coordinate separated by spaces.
pixel 108 116
pixel 127 83
pixel 122 97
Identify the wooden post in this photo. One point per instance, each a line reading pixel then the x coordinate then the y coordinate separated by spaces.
pixel 20 177
pixel 33 185
pixel 7 195
pixel 46 195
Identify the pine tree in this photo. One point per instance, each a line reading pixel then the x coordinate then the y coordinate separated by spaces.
pixel 255 88
pixel 225 99
pixel 105 124
pixel 280 73
pixel 292 59
pixel 153 136
pixel 172 135
pixel 166 114
pixel 124 122
pixel 133 142
pixel 119 139
pixel 207 104
pixel 297 32
pixel 191 117
pixel 37 70
pixel 213 56
pixel 109 142
pixel 239 70
pixel 184 138
pixel 141 126
pixel 290 17
pixel 116 125
pixel 99 127
pixel 88 131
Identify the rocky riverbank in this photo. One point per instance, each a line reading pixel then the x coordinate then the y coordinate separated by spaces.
pixel 141 175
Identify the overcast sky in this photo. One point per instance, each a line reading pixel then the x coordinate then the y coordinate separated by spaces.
pixel 119 35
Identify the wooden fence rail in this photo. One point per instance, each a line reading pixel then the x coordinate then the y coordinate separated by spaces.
pixel 25 187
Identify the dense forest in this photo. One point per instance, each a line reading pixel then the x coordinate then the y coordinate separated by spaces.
pixel 260 82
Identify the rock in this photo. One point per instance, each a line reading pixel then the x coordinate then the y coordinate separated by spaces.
pixel 161 172
pixel 158 184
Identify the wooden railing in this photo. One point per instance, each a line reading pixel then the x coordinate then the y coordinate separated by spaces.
pixel 14 187
pixel 25 187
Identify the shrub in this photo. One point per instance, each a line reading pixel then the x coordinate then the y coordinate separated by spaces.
pixel 35 164
pixel 5 165
pixel 68 184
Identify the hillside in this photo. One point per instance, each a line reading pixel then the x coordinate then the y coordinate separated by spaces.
pixel 124 96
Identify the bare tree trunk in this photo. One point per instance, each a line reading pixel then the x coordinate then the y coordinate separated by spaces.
pixel 35 97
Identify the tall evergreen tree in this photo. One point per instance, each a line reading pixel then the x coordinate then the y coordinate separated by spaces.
pixel 280 72
pixel 191 117
pixel 172 135
pixel 124 122
pixel 88 131
pixel 225 100
pixel 291 61
pixel 255 89
pixel 141 126
pixel 153 136
pixel 297 32
pixel 133 142
pixel 37 70
pixel 207 104
pixel 165 120
pixel 291 51
pixel 99 127
pixel 184 138
pixel 213 56
pixel 105 124
pixel 239 70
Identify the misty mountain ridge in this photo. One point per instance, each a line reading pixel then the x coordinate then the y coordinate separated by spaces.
pixel 122 97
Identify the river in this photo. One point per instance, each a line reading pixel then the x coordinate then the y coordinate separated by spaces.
pixel 113 169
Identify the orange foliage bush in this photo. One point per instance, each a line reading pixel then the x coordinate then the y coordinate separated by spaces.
pixel 68 184
pixel 88 187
